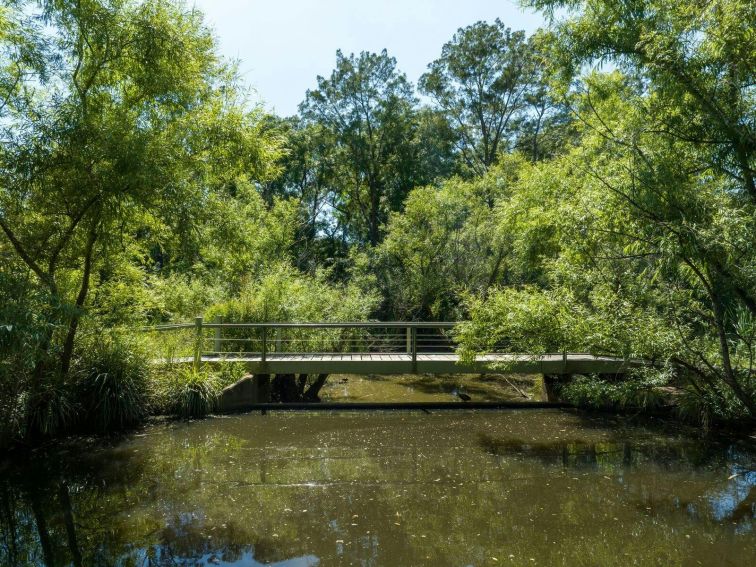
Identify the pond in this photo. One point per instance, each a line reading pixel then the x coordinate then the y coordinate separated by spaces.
pixel 408 388
pixel 517 487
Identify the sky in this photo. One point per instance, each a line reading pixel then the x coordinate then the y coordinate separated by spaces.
pixel 283 45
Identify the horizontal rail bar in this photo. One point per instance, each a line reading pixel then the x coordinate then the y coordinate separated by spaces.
pixel 177 326
pixel 348 325
pixel 521 356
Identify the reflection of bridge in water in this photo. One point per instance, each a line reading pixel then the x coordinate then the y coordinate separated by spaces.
pixel 368 348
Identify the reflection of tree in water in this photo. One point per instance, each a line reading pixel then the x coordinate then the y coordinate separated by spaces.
pixel 624 457
pixel 386 493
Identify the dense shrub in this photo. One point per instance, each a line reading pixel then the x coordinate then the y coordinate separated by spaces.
pixel 24 322
pixel 112 384
pixel 188 393
pixel 598 393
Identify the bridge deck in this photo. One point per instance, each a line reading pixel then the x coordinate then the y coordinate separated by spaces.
pixel 431 363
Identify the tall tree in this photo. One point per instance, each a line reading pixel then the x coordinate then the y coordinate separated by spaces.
pixel 480 82
pixel 116 125
pixel 443 246
pixel 698 57
pixel 308 175
pixel 369 108
pixel 546 125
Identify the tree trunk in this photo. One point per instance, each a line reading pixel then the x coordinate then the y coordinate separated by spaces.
pixel 68 345
pixel 262 383
pixel 284 389
pixel 729 373
pixel 311 395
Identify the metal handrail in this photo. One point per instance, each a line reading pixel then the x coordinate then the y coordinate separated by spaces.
pixel 348 325
pixel 408 342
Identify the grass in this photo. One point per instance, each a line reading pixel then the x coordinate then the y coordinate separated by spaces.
pixel 112 385
pixel 188 393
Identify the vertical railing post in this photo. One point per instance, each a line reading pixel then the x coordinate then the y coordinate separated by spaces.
pixel 264 351
pixel 414 349
pixel 409 340
pixel 197 343
pixel 217 343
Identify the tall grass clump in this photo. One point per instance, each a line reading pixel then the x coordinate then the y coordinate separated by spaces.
pixel 188 393
pixel 708 407
pixel 112 384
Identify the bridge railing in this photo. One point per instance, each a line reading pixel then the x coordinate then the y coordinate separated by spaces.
pixel 218 338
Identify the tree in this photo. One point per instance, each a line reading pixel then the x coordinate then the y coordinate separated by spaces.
pixel 627 247
pixel 697 58
pixel 119 124
pixel 480 82
pixel 368 107
pixel 698 65
pixel 443 246
pixel 308 175
pixel 545 128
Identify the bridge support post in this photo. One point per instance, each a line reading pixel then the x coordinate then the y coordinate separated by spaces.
pixel 264 346
pixel 262 388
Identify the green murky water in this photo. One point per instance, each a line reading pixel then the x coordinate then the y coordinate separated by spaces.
pixel 529 487
pixel 429 388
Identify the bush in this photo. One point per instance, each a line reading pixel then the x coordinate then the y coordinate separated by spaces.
pixel 706 407
pixel 635 392
pixel 49 409
pixel 189 393
pixel 112 384
pixel 284 294
pixel 14 380
pixel 230 372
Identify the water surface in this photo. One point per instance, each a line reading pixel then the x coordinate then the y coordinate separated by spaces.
pixel 528 487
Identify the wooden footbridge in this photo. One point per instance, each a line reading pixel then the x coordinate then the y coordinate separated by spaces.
pixel 365 348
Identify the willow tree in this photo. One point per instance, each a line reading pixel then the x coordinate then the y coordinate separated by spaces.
pixel 118 120
pixel 654 251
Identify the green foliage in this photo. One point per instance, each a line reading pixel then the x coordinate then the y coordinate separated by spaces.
pixel 634 393
pixel 629 248
pixel 557 207
pixel 442 246
pixel 367 107
pixel 287 295
pixel 230 372
pixel 22 324
pixel 112 383
pixel 480 82
pixel 123 132
pixel 188 393
pixel 48 409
